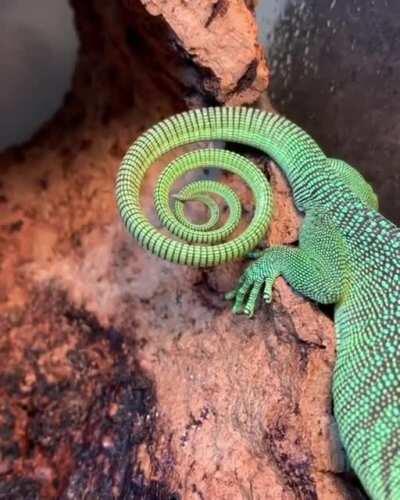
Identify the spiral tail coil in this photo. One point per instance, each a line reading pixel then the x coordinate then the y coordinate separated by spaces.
pixel 205 244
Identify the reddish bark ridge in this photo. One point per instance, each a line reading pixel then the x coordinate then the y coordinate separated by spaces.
pixel 124 376
pixel 211 48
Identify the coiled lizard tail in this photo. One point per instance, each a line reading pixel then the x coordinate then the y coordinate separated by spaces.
pixel 204 245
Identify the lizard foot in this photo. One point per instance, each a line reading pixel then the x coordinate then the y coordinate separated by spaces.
pixel 247 291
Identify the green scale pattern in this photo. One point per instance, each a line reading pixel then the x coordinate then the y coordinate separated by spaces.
pixel 348 255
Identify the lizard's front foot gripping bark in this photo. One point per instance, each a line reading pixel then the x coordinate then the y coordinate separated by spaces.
pixel 260 273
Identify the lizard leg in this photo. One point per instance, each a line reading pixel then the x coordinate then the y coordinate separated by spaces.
pixel 355 182
pixel 315 268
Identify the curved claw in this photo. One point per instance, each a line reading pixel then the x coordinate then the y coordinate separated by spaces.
pixel 251 304
pixel 240 296
pixel 230 295
pixel 268 291
pixel 267 298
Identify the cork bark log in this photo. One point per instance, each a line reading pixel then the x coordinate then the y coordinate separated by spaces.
pixel 123 376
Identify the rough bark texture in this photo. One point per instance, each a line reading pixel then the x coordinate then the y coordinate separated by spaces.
pixel 123 376
pixel 220 38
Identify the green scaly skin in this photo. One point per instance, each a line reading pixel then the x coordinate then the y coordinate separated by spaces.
pixel 348 254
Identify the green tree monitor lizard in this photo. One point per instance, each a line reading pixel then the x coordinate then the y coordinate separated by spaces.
pixel 348 255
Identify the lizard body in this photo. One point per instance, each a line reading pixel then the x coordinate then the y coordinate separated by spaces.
pixel 348 254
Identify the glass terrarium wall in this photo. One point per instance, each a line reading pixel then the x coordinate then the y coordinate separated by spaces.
pixel 336 71
pixel 38 50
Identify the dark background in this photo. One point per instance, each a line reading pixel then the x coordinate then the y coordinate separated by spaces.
pixel 336 72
